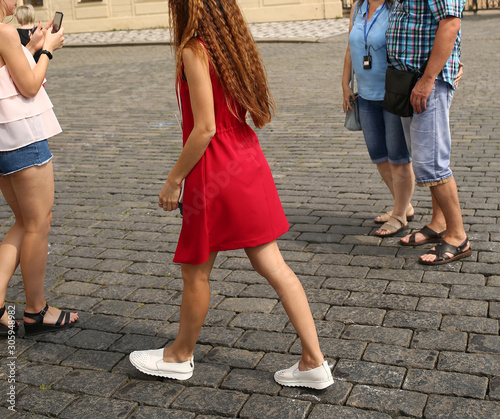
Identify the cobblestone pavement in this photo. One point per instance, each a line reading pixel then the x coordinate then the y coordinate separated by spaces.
pixel 403 340
pixel 305 31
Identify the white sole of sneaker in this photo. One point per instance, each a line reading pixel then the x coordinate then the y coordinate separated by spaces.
pixel 167 374
pixel 314 385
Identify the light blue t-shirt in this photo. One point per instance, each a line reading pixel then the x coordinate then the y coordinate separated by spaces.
pixel 371 83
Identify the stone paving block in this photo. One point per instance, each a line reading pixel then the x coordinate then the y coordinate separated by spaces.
pixel 151 412
pixel 156 311
pixel 331 297
pixel 224 336
pixel 377 300
pixel 237 358
pixel 335 394
pixel 412 319
pixel 480 325
pixel 48 352
pixel 209 375
pixel 484 344
pixel 336 348
pixel 74 302
pixel 439 340
pixel 143 327
pixel 453 306
pixel 256 340
pixel 114 292
pixel 104 322
pixel 96 383
pixel 395 355
pixel 389 335
pixel 44 401
pixel 385 262
pixel 229 289
pixel 144 295
pixel 460 408
pixel 76 287
pixel 480 364
pixel 495 310
pixel 340 271
pixel 263 406
pixel 395 275
pixel 248 276
pixel 260 321
pixel 155 393
pixel 248 305
pixel 251 381
pixel 93 339
pixel 39 375
pixel 94 360
pixel 447 383
pixel 211 401
pixel 272 361
pixel 369 373
pixel 130 343
pixel 494 390
pixel 87 406
pixel 220 318
pixel 324 411
pixel 494 281
pixel 390 401
pixel 417 289
pixel 475 292
pixel 354 284
pixel 117 308
pixel 79 263
pixel 359 315
pixel 451 278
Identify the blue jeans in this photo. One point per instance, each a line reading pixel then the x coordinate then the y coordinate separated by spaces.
pixel 383 132
pixel 35 154
pixel 429 139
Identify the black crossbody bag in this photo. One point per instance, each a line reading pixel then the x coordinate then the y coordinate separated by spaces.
pixel 398 87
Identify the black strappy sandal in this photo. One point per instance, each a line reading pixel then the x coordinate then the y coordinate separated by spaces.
pixel 4 330
pixel 40 327
pixel 443 250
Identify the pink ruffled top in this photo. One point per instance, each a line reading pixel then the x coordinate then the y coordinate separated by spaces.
pixel 24 121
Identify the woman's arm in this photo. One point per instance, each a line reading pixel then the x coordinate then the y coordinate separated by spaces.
pixel 27 80
pixel 197 73
pixel 346 75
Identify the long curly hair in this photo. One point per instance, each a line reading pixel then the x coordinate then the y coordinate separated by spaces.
pixel 231 50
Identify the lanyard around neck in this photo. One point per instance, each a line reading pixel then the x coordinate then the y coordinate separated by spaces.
pixel 373 19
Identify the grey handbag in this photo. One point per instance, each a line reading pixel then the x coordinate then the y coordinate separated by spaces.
pixel 352 122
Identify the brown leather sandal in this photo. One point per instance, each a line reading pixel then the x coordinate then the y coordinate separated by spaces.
pixel 430 237
pixel 391 228
pixel 443 251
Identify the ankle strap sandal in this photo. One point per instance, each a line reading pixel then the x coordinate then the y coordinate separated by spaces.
pixel 40 327
pixel 4 330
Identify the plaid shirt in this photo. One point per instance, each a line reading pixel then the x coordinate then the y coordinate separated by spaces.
pixel 411 32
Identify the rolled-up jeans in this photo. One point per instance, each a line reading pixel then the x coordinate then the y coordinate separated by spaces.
pixel 429 139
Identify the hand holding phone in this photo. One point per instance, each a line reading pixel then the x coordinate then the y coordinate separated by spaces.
pixel 56 25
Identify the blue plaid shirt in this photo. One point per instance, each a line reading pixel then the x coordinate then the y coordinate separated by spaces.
pixel 411 32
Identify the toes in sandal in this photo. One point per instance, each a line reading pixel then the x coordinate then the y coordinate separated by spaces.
pixel 443 251
pixel 381 219
pixel 13 325
pixel 392 229
pixel 430 237
pixel 40 327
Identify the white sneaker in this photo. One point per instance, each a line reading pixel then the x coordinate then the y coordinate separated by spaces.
pixel 151 362
pixel 317 378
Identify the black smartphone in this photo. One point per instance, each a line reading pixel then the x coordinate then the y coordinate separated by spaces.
pixel 58 16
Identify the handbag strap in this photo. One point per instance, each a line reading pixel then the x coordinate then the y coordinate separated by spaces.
pixel 351 83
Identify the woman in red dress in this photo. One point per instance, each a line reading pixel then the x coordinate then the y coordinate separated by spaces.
pixel 229 198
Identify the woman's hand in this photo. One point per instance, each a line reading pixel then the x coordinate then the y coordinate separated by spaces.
pixel 348 99
pixel 36 39
pixel 169 196
pixel 53 41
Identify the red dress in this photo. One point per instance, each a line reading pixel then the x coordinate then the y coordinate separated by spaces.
pixel 230 200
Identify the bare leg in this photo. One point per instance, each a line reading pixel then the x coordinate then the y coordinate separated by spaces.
pixel 268 262
pixel 194 309
pixel 30 194
pixel 403 181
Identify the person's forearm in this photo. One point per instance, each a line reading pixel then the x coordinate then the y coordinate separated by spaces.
pixel 442 48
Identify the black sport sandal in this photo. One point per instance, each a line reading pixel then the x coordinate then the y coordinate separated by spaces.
pixel 40 327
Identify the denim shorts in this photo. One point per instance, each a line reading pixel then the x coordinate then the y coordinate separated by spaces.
pixel 383 132
pixel 429 139
pixel 35 154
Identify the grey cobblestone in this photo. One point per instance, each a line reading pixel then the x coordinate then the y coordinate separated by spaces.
pixel 387 325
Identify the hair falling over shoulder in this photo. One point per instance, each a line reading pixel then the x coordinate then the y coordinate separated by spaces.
pixel 231 49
